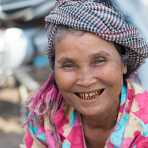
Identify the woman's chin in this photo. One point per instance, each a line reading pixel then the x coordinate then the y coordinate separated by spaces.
pixel 93 111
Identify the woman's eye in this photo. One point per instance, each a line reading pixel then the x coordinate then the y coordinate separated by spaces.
pixel 68 66
pixel 98 61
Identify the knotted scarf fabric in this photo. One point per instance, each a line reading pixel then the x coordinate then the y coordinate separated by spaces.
pixel 102 19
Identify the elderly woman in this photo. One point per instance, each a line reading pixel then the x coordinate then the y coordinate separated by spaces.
pixel 89 100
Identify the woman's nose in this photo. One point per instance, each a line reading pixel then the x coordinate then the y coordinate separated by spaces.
pixel 86 78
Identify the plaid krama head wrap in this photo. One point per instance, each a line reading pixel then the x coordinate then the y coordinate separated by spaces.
pixel 101 18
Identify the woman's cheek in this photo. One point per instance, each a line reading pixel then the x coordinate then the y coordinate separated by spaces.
pixel 65 79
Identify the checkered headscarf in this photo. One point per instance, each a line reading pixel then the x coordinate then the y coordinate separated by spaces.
pixel 101 18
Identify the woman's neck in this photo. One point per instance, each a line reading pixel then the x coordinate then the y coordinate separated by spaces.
pixel 103 121
pixel 98 128
pixel 96 138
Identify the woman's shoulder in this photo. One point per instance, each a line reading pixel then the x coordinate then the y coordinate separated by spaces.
pixel 135 84
pixel 140 101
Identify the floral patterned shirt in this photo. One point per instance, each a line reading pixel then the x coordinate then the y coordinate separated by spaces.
pixel 130 131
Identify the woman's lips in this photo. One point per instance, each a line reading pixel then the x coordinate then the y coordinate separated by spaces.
pixel 89 95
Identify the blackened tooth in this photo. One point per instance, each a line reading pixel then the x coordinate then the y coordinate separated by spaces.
pixel 77 94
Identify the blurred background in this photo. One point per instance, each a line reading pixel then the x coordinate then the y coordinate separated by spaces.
pixel 137 13
pixel 23 57
pixel 23 62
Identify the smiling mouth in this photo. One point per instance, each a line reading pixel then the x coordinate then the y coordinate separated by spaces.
pixel 89 95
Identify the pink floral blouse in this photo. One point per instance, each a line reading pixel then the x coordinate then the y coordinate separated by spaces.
pixel 130 131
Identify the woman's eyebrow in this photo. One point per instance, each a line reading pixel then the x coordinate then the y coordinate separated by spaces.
pixel 101 53
pixel 64 59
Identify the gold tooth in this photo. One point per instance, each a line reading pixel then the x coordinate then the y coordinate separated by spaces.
pixel 98 92
pixel 86 95
pixel 90 95
pixel 81 95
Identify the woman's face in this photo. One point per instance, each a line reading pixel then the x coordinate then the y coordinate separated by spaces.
pixel 89 73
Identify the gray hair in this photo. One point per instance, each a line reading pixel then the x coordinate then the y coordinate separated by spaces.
pixel 62 31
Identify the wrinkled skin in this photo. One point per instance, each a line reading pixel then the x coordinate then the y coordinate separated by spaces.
pixel 85 64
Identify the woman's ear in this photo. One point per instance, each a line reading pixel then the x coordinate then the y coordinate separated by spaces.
pixel 125 69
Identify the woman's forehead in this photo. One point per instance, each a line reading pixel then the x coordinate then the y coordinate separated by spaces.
pixel 62 32
pixel 82 37
pixel 87 44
